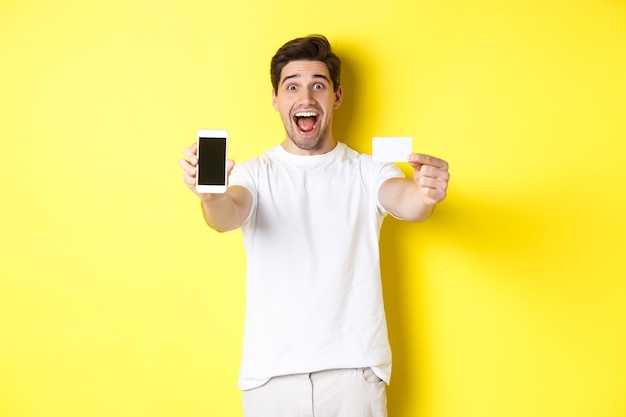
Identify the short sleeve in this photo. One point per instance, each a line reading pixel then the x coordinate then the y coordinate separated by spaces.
pixel 381 173
pixel 242 175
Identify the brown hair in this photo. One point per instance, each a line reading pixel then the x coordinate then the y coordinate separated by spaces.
pixel 309 48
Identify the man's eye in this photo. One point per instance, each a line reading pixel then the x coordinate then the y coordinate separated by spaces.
pixel 291 87
pixel 318 86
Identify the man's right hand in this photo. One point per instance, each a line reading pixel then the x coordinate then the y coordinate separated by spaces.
pixel 190 169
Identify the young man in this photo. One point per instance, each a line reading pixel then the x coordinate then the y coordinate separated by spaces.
pixel 310 211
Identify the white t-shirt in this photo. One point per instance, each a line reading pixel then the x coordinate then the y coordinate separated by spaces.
pixel 313 290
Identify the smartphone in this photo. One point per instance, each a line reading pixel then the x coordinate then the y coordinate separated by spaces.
pixel 211 176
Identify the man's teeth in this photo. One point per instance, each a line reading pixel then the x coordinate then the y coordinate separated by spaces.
pixel 306 114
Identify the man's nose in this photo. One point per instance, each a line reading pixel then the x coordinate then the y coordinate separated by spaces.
pixel 306 96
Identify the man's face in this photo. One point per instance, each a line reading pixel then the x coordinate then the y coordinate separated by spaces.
pixel 306 100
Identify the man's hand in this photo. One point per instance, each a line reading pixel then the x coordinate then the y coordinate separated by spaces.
pixel 222 212
pixel 431 176
pixel 190 169
pixel 414 200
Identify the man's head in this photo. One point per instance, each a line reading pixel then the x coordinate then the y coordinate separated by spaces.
pixel 309 48
pixel 305 77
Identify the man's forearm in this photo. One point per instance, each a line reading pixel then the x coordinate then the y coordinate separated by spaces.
pixel 225 212
pixel 401 198
pixel 409 204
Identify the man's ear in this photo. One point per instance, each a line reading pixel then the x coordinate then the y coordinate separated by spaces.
pixel 338 97
pixel 274 102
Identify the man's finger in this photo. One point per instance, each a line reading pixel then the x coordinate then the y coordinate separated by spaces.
pixel 433 172
pixel 422 159
pixel 187 167
pixel 190 155
pixel 230 164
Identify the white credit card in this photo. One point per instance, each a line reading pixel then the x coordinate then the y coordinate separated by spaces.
pixel 391 149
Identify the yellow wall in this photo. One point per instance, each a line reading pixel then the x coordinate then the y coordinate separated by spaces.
pixel 116 301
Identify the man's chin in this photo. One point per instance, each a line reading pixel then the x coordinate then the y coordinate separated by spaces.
pixel 306 143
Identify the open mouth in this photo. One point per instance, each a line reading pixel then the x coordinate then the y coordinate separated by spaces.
pixel 305 121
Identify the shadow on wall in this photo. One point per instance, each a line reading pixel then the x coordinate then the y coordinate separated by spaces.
pixel 484 229
pixel 356 112
pixel 486 226
pixel 347 113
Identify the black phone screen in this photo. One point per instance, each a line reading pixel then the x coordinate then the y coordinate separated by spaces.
pixel 211 161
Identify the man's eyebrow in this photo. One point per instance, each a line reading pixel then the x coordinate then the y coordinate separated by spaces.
pixel 289 77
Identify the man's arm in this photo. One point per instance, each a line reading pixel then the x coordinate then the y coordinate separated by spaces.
pixel 414 199
pixel 228 211
pixel 222 212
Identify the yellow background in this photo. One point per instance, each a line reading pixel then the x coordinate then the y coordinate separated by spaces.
pixel 116 300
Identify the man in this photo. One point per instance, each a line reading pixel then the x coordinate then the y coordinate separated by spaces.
pixel 310 211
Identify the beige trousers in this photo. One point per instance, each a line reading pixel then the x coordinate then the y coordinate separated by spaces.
pixel 334 393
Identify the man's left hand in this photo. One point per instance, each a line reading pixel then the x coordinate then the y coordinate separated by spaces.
pixel 431 176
